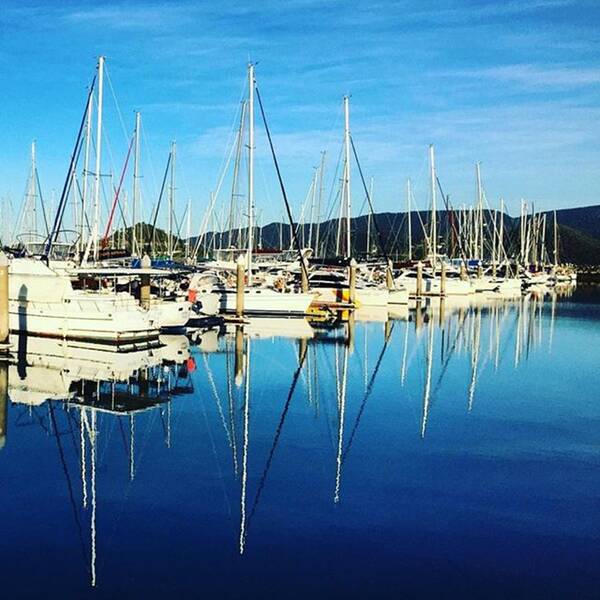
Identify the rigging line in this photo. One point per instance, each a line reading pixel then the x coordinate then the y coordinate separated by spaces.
pixel 162 191
pixel 119 113
pixel 285 199
pixel 213 387
pixel 58 217
pixel 116 198
pixel 362 178
pixel 39 189
pixel 448 209
pixel 204 224
pixel 367 393
pixel 68 478
pixel 286 407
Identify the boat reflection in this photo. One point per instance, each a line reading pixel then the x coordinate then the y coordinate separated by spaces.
pixel 68 386
pixel 84 391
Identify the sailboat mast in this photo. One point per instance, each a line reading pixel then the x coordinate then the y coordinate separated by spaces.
pixel 188 230
pixel 433 248
pixel 171 199
pixel 250 169
pixel 479 212
pixel 501 233
pixel 409 217
pixel 86 168
pixel 136 185
pixel 368 247
pixel 98 156
pixel 320 200
pixel 347 172
pixel 555 244
pixel 32 200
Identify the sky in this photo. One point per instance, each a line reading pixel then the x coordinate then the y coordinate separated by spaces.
pixel 514 85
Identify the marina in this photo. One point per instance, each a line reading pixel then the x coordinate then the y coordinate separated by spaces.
pixel 299 300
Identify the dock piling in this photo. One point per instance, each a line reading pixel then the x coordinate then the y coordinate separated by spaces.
pixel 419 279
pixel 146 263
pixel 389 275
pixel 443 280
pixel 352 281
pixel 4 328
pixel 239 286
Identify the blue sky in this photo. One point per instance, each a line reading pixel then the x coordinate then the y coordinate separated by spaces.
pixel 512 84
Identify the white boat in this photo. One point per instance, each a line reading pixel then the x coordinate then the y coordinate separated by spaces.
pixel 170 314
pixel 432 284
pixel 43 302
pixel 264 301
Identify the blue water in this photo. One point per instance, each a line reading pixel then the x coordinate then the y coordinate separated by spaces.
pixel 453 456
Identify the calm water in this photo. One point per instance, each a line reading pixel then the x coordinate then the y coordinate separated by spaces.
pixel 435 455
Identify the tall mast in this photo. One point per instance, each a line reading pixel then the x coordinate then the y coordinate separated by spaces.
pixel 31 207
pixel 409 217
pixel 555 241
pixel 250 169
pixel 501 233
pixel 321 175
pixel 171 199
pixel 86 168
pixel 98 156
pixel 479 212
pixel 348 198
pixel 369 220
pixel 233 217
pixel 433 207
pixel 188 231
pixel 136 185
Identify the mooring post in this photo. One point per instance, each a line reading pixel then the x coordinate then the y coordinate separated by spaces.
pixel 146 263
pixel 352 281
pixel 463 271
pixel 239 286
pixel 4 328
pixel 419 279
pixel 304 274
pixel 389 275
pixel 443 280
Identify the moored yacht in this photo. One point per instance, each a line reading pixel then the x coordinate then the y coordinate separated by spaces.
pixel 43 302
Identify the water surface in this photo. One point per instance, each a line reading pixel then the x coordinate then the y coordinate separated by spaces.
pixel 448 452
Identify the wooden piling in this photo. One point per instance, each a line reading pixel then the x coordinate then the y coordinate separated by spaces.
pixel 304 274
pixel 352 281
pixel 146 263
pixel 239 286
pixel 419 279
pixel 4 327
pixel 443 280
pixel 389 275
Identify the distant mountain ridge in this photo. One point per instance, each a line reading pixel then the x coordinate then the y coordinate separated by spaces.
pixel 578 229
